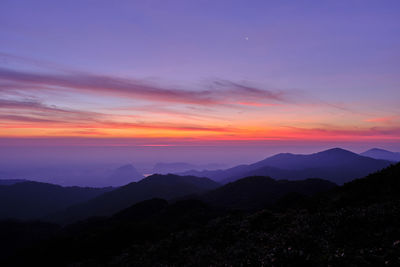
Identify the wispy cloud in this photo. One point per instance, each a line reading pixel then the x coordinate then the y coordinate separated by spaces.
pixel 55 117
pixel 30 105
pixel 353 133
pixel 217 109
pixel 24 119
pixel 164 126
pixel 250 91
pixel 219 92
pixel 52 113
pixel 386 120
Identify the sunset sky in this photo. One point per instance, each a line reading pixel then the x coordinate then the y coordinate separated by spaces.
pixel 165 73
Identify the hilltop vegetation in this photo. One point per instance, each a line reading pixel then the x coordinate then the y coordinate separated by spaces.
pixel 357 224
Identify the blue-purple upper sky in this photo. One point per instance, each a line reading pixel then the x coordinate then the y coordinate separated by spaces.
pixel 205 71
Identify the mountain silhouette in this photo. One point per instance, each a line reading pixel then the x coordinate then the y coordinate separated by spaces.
pixel 11 181
pixel 33 200
pixel 142 210
pixel 155 186
pixel 165 168
pixel 379 187
pixel 176 167
pixel 259 192
pixel 124 175
pixel 336 165
pixel 378 153
pixel 356 224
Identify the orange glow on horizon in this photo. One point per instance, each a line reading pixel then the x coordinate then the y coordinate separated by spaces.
pixel 243 133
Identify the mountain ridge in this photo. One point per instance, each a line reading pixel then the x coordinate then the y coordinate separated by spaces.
pixel 379 153
pixel 257 192
pixel 32 200
pixel 356 224
pixel 154 186
pixel 336 165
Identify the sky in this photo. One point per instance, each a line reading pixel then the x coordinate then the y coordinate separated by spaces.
pixel 274 75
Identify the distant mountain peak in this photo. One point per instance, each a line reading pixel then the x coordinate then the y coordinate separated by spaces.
pixel 379 153
pixel 378 150
pixel 331 151
pixel 158 176
pixel 336 164
pixel 124 174
pixel 336 150
pixel 281 155
pixel 173 178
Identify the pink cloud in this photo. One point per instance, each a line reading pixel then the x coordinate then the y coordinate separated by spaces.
pixel 387 119
pixel 218 93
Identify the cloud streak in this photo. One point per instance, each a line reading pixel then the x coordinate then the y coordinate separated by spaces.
pixel 37 114
pixel 25 119
pixel 344 133
pixel 39 109
pixel 218 93
pixel 119 107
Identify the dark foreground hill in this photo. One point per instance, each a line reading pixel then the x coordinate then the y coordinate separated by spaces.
pixel 260 192
pixel 11 181
pixel 33 200
pixel 155 186
pixel 357 224
pixel 336 165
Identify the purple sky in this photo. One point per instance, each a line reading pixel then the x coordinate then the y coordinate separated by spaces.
pixel 265 76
